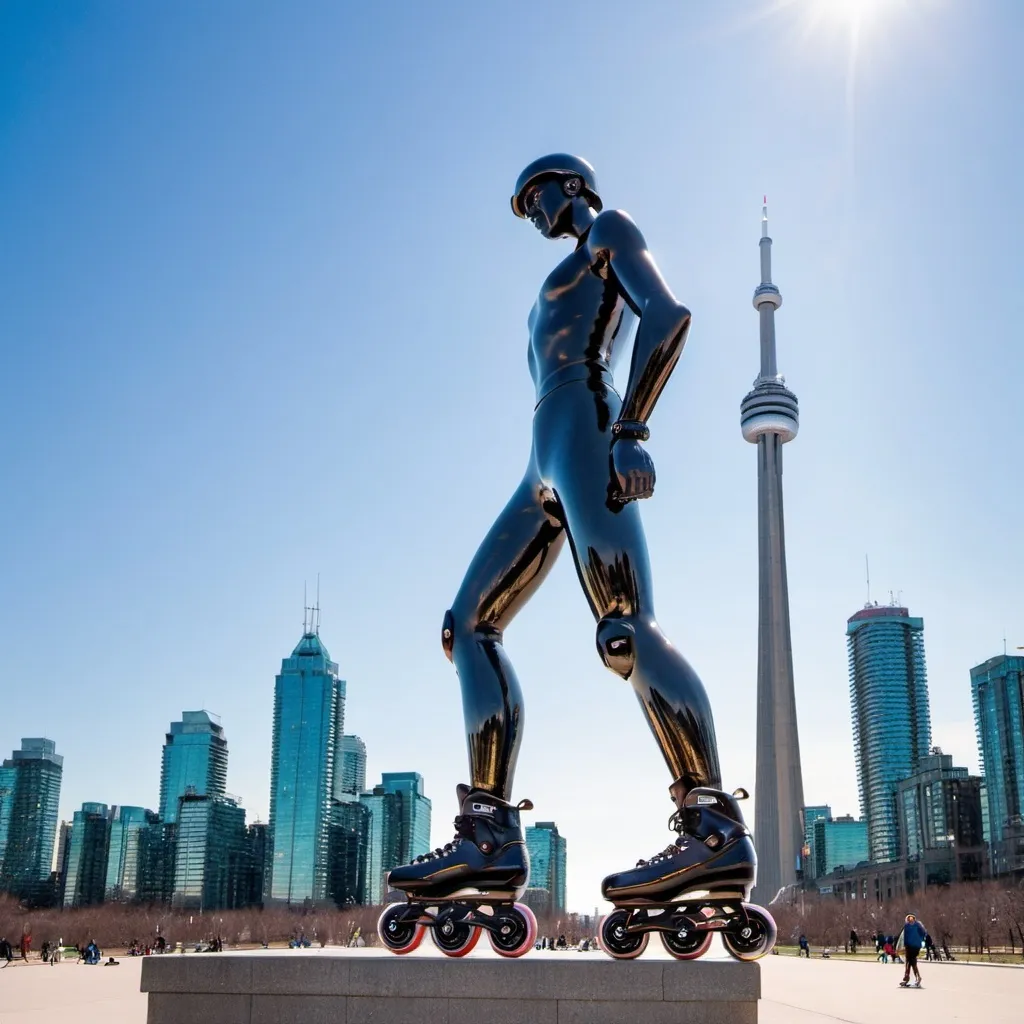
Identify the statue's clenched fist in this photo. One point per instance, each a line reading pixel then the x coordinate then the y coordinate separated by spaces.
pixel 632 470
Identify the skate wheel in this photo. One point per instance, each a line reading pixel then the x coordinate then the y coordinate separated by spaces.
pixel 616 941
pixel 753 938
pixel 516 931
pixel 689 946
pixel 399 936
pixel 454 938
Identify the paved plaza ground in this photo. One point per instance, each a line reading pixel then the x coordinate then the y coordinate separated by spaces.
pixel 794 991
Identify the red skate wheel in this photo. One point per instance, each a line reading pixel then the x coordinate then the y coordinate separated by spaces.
pixel 516 931
pixel 399 936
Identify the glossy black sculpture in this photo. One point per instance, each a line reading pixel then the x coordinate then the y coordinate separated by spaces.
pixel 587 469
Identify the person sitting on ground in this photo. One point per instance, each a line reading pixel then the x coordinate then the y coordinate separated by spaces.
pixel 826 953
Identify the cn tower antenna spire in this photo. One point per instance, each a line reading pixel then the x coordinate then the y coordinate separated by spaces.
pixel 769 418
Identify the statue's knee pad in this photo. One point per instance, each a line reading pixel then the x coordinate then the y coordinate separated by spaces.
pixel 616 645
pixel 448 634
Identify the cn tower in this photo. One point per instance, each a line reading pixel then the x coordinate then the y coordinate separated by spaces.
pixel 769 417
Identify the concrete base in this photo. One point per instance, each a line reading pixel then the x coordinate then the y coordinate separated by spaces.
pixel 344 989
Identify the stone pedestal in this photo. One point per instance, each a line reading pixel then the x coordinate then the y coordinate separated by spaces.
pixel 349 988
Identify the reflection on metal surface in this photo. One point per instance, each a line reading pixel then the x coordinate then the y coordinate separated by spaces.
pixel 586 470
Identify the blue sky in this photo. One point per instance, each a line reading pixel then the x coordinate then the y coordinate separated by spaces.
pixel 263 315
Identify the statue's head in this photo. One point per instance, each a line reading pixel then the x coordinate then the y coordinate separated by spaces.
pixel 548 188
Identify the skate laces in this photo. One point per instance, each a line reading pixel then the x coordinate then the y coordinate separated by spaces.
pixel 675 822
pixel 463 830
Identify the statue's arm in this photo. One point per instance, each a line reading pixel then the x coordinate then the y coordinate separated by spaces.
pixel 664 320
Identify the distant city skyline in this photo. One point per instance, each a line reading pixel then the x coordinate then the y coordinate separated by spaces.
pixel 230 368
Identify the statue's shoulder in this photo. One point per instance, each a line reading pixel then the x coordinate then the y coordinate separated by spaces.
pixel 614 231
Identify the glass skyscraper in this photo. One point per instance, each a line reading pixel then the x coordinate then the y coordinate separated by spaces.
pixel 8 776
pixel 36 770
pixel 997 689
pixel 838 843
pixel 382 840
pixel 123 860
pixel 349 850
pixel 547 864
pixel 413 811
pixel 195 758
pixel 88 851
pixel 941 823
pixel 309 721
pixel 399 827
pixel 210 860
pixel 891 719
pixel 350 779
pixel 811 814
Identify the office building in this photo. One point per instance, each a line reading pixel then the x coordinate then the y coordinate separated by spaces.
pixel 252 878
pixel 891 720
pixel 195 758
pixel 36 771
pixel 997 689
pixel 350 779
pixel 399 827
pixel 349 851
pixel 413 810
pixel 88 850
pixel 941 823
pixel 547 866
pixel 8 776
pixel 122 882
pixel 158 849
pixel 63 858
pixel 811 814
pixel 309 720
pixel 382 840
pixel 838 843
pixel 210 852
pixel 769 418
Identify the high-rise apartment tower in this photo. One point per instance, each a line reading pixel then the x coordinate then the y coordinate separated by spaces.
pixel 891 721
pixel 195 759
pixel 997 688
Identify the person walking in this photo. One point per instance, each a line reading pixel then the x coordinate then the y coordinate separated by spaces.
pixel 805 948
pixel 6 950
pixel 912 939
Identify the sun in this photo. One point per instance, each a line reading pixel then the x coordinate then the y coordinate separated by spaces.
pixel 855 13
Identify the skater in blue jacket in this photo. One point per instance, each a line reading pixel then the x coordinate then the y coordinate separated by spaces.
pixel 912 939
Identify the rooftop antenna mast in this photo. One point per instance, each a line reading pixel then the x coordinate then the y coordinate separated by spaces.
pixel 305 608
pixel 867 573
pixel 316 627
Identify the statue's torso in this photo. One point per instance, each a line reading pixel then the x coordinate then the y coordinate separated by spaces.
pixel 575 322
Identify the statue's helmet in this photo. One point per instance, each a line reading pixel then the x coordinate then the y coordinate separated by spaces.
pixel 557 165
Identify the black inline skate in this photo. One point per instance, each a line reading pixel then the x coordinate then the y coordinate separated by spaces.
pixel 697 886
pixel 469 886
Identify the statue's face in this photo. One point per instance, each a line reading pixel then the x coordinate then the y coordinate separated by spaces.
pixel 547 206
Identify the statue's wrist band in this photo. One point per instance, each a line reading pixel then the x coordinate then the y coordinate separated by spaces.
pixel 630 430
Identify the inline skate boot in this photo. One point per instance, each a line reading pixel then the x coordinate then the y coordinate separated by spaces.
pixel 695 887
pixel 467 887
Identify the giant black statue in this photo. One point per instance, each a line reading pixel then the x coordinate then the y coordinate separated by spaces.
pixel 587 469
